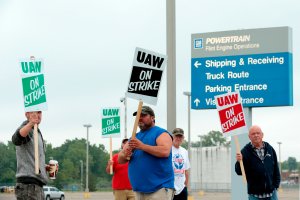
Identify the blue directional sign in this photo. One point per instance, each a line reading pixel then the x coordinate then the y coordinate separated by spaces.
pixel 256 62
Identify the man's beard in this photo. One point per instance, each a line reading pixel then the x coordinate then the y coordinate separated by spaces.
pixel 144 126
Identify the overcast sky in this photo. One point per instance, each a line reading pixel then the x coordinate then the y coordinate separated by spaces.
pixel 88 48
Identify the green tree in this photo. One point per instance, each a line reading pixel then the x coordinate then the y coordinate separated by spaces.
pixel 212 138
pixel 185 144
pixel 69 155
pixel 8 163
pixel 292 163
pixel 284 165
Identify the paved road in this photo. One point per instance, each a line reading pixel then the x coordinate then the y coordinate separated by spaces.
pixel 285 195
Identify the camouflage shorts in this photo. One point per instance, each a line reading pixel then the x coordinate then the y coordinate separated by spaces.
pixel 29 192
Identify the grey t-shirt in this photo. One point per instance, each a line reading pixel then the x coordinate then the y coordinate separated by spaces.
pixel 25 155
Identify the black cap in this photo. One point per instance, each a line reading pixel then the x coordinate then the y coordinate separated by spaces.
pixel 178 131
pixel 146 110
pixel 124 140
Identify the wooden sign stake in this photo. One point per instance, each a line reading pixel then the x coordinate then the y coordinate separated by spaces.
pixel 137 118
pixel 237 144
pixel 110 154
pixel 36 149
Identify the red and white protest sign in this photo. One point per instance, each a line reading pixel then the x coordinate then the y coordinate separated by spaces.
pixel 231 113
pixel 232 119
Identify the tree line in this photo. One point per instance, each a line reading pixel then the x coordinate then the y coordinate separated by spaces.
pixel 69 155
pixel 72 153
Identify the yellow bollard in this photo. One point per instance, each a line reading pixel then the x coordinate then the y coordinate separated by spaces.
pixel 190 197
pixel 87 195
pixel 201 193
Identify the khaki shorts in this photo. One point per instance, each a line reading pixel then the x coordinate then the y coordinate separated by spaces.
pixel 161 194
pixel 124 195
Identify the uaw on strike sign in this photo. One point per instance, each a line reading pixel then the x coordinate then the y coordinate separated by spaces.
pixel 33 85
pixel 147 70
pixel 111 122
pixel 231 113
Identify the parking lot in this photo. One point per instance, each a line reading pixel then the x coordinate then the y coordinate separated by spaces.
pixel 284 195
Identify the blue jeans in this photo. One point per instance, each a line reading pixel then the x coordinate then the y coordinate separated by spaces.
pixel 273 197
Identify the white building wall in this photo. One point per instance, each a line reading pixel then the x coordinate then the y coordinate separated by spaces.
pixel 215 165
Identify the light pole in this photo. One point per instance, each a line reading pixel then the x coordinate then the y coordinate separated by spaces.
pixel 200 161
pixel 124 100
pixel 171 64
pixel 188 94
pixel 87 157
pixel 279 143
pixel 81 175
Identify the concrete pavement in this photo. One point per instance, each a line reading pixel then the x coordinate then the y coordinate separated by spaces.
pixel 284 195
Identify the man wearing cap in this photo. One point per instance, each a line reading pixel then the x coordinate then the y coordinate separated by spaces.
pixel 150 164
pixel 181 165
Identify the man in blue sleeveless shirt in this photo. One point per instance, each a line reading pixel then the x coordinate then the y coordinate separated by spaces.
pixel 150 165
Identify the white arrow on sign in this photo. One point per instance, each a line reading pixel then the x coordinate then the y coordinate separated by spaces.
pixel 197 101
pixel 196 64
